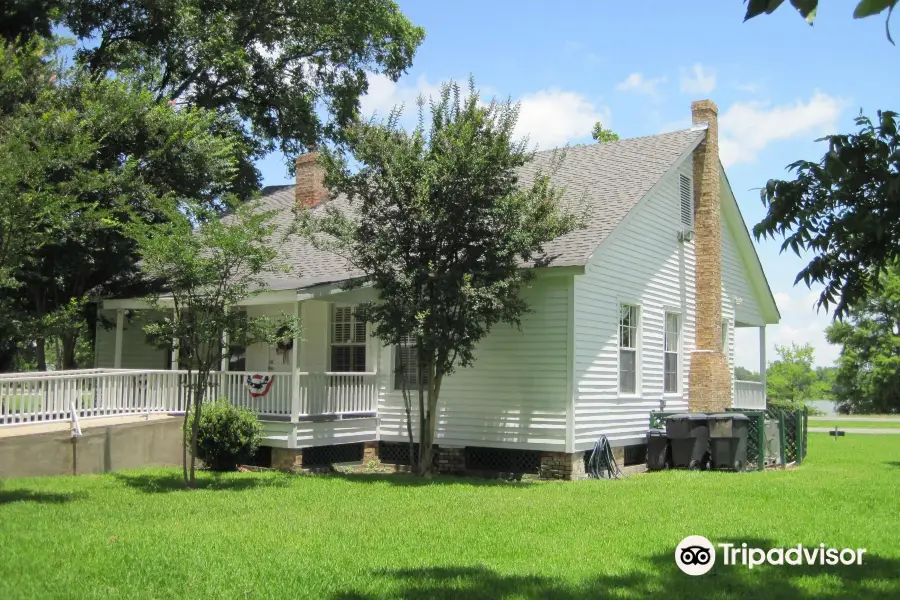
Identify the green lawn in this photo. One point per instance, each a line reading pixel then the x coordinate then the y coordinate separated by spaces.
pixel 134 535
pixel 14 404
pixel 849 424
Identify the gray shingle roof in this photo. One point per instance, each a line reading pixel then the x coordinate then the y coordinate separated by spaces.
pixel 607 179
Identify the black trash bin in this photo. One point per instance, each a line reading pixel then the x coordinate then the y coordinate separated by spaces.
pixel 688 435
pixel 728 440
pixel 659 456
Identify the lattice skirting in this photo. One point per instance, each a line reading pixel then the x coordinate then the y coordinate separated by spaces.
pixel 323 456
pixel 457 460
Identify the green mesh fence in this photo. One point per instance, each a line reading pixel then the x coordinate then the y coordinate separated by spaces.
pixel 791 429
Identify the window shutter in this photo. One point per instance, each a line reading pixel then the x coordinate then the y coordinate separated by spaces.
pixel 686 201
pixel 359 331
pixel 341 327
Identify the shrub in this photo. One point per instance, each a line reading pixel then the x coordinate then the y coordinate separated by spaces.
pixel 228 436
pixel 792 405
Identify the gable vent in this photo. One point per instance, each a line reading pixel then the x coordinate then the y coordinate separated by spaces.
pixel 686 204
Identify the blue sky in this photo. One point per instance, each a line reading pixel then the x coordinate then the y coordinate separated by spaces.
pixel 636 66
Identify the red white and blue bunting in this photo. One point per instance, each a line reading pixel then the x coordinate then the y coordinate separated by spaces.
pixel 258 384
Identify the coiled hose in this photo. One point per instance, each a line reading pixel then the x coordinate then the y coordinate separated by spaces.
pixel 602 464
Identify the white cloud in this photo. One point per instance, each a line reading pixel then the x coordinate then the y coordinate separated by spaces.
pixel 550 118
pixel 676 125
pixel 749 87
pixel 579 50
pixel 384 95
pixel 698 80
pixel 636 82
pixel 801 323
pixel 746 128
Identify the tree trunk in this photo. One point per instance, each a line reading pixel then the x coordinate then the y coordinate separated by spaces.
pixel 418 466
pixel 184 430
pixel 40 352
pixel 407 405
pixel 69 342
pixel 195 426
pixel 425 468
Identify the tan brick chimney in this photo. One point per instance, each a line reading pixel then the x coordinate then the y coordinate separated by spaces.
pixel 709 379
pixel 310 188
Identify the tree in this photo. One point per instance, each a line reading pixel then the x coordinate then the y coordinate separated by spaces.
pixel 809 8
pixel 845 209
pixel 276 67
pixel 602 135
pixel 743 374
pixel 444 226
pixel 22 19
pixel 868 373
pixel 208 265
pixel 80 157
pixel 791 381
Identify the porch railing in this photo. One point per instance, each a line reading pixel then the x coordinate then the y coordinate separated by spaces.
pixel 53 396
pixel 749 394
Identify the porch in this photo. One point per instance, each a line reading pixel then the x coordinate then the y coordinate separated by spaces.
pixel 295 408
pixel 751 394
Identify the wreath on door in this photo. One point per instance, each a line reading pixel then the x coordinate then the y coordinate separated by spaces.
pixel 283 345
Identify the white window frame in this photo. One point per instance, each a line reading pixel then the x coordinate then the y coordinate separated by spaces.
pixel 678 351
pixel 636 348
pixel 352 342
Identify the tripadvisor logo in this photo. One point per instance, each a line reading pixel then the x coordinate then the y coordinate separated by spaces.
pixel 696 555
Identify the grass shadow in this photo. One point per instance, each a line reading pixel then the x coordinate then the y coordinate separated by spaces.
pixel 408 480
pixel 878 577
pixel 893 463
pixel 174 482
pixel 25 495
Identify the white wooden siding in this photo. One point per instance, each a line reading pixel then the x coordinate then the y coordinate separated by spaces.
pixel 735 278
pixel 514 396
pixel 136 352
pixel 641 263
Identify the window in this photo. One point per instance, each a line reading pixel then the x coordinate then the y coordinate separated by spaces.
pixel 671 353
pixel 348 340
pixel 628 344
pixel 406 354
pixel 687 204
pixel 725 337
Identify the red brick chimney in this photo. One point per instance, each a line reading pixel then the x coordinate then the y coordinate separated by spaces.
pixel 310 188
pixel 709 379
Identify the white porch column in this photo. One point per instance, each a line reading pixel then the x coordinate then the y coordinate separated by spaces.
pixel 295 368
pixel 762 357
pixel 120 328
pixel 223 365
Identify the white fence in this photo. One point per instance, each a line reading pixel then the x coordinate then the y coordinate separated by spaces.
pixel 749 394
pixel 54 396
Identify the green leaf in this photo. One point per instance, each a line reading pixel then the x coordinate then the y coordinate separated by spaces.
pixel 807 8
pixel 867 8
pixel 887 25
pixel 758 7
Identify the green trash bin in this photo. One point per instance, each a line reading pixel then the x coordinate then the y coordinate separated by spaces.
pixel 728 441
pixel 688 435
pixel 659 455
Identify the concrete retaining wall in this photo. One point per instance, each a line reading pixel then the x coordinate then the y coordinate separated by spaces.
pixel 101 448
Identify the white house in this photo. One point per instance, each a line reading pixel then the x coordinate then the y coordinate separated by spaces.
pixel 636 312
